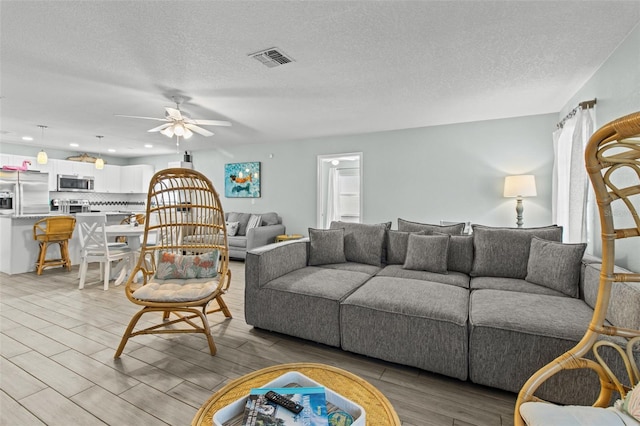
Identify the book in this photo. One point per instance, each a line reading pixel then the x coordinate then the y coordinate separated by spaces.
pixel 259 411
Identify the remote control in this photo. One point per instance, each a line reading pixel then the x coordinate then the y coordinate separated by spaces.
pixel 284 402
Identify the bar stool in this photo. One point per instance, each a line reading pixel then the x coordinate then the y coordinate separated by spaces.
pixel 54 230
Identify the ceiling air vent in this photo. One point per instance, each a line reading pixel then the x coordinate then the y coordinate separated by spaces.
pixel 272 57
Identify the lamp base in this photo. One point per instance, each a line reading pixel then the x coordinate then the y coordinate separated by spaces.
pixel 519 210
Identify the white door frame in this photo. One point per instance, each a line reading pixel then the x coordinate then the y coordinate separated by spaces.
pixel 320 193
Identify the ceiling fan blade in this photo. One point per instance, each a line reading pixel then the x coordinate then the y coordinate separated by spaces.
pixel 174 114
pixel 144 118
pixel 211 122
pixel 160 127
pixel 198 130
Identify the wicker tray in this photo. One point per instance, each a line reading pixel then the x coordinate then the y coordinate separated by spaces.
pixel 231 415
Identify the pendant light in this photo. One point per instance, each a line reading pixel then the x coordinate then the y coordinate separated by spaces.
pixel 42 157
pixel 99 160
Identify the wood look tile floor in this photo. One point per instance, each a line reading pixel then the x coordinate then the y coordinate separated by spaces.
pixel 57 367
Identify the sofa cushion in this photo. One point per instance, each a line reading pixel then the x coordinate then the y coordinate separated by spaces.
pixel 242 219
pixel 427 253
pixel 254 221
pixel 354 267
pixel 397 246
pixel 408 226
pixel 460 258
pixel 237 241
pixel 504 252
pixel 555 265
pixel 270 218
pixel 326 246
pixel 384 314
pixel 363 243
pixel 512 284
pixel 232 228
pixel 452 278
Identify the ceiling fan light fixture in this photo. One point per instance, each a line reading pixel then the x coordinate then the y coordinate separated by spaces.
pixel 178 129
pixel 168 132
pixel 187 133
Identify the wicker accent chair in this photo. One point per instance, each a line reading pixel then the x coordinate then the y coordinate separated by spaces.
pixel 612 159
pixel 189 273
pixel 54 230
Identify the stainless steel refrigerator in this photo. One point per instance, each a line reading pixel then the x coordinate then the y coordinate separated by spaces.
pixel 29 189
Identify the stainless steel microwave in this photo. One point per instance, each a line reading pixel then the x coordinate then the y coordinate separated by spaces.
pixel 76 183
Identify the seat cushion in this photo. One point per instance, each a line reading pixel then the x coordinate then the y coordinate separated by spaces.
pixel 452 278
pixel 544 414
pixel 427 320
pixel 512 284
pixel 237 241
pixel 176 290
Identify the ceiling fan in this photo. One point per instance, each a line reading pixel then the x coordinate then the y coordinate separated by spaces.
pixel 179 123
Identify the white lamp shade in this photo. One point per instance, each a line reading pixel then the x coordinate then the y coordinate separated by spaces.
pixel 520 186
pixel 42 157
pixel 99 164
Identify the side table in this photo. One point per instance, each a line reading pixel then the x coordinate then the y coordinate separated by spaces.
pixel 377 407
pixel 288 237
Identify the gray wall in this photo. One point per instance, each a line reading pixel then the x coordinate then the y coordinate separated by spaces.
pixel 452 172
pixel 616 86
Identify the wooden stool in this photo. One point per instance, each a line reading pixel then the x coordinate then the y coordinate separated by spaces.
pixel 54 230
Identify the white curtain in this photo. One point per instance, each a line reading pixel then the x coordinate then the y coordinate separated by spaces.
pixel 570 203
pixel 333 198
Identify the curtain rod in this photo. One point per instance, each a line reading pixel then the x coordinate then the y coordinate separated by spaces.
pixel 581 105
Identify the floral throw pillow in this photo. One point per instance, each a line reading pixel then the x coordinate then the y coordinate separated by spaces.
pixel 631 404
pixel 177 266
pixel 232 228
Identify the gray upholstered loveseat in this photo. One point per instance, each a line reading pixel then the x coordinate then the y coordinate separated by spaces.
pixel 491 307
pixel 246 238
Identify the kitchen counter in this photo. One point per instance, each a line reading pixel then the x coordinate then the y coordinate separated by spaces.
pixel 19 251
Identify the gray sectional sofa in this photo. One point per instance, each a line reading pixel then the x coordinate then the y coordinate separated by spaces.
pixel 491 307
pixel 246 238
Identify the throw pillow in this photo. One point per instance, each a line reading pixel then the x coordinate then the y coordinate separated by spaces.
pixel 270 218
pixel 397 246
pixel 242 219
pixel 408 226
pixel 631 403
pixel 177 266
pixel 555 265
pixel 363 243
pixel 326 246
pixel 460 253
pixel 427 253
pixel 232 229
pixel 504 252
pixel 254 221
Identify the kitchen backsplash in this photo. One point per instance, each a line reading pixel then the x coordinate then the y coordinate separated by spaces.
pixel 105 201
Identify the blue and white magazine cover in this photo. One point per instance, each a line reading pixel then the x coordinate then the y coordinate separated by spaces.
pixel 259 411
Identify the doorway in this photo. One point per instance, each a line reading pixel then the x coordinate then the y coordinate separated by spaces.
pixel 339 189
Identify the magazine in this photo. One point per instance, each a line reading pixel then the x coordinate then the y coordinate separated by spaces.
pixel 259 411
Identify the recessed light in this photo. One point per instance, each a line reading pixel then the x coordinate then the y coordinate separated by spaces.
pixel 111 150
pixel 75 145
pixel 27 138
pixel 148 145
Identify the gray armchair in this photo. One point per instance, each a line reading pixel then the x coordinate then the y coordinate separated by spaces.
pixel 249 238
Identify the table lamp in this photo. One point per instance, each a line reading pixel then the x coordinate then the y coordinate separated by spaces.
pixel 519 187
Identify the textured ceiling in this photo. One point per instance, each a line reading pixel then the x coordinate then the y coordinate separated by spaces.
pixel 360 66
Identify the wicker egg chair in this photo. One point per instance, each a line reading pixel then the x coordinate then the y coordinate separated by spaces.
pixel 612 152
pixel 185 233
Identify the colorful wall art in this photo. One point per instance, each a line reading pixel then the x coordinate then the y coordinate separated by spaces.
pixel 242 180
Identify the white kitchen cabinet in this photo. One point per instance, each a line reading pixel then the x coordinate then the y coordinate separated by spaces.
pixel 108 179
pixel 135 179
